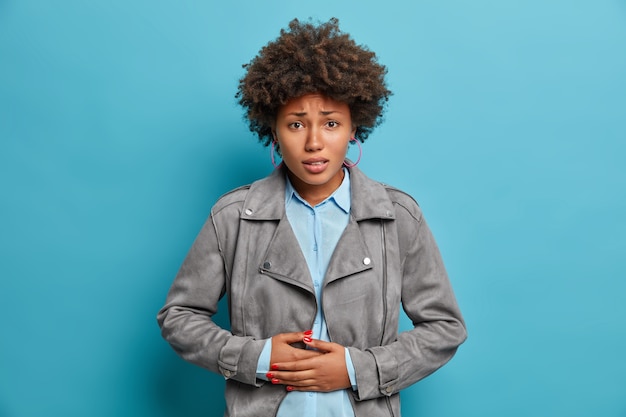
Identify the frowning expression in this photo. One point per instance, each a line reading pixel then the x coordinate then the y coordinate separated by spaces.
pixel 313 132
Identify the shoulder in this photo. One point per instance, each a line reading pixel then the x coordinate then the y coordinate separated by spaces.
pixel 403 202
pixel 232 199
pixel 264 197
pixel 374 199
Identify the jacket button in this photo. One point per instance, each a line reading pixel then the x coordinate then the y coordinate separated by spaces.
pixel 248 212
pixel 367 261
pixel 227 373
pixel 389 389
pixel 267 265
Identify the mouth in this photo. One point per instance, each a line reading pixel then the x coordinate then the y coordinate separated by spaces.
pixel 315 161
pixel 315 165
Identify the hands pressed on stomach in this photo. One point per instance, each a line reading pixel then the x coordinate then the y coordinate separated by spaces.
pixel 320 368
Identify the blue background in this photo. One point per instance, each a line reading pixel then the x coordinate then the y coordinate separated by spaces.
pixel 119 130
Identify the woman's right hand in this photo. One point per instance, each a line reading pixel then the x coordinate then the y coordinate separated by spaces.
pixel 282 351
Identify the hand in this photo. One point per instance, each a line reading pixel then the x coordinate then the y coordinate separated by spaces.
pixel 325 372
pixel 283 351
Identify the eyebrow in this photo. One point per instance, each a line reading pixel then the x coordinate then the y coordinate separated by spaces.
pixel 323 113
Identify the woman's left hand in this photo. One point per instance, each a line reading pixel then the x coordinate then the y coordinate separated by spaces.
pixel 322 373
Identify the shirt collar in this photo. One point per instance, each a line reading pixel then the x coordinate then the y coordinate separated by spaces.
pixel 265 199
pixel 341 196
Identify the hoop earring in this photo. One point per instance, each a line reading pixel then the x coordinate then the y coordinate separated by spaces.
pixel 272 151
pixel 352 165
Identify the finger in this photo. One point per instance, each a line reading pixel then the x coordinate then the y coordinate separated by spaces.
pixel 299 379
pixel 293 337
pixel 291 376
pixel 298 365
pixel 312 387
pixel 301 355
pixel 308 388
pixel 304 354
pixel 321 345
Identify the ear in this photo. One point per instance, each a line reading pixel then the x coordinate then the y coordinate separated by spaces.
pixel 354 127
pixel 274 138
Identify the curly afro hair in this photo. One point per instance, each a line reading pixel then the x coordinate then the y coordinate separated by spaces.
pixel 313 59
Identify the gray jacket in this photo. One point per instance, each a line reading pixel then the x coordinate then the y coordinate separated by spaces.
pixel 385 258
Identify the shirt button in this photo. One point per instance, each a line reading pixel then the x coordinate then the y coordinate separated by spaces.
pixel 316 283
pixel 367 261
pixel 248 212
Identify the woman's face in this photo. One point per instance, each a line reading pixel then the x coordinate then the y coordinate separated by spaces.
pixel 313 132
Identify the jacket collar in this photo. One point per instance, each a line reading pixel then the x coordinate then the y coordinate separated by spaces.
pixel 266 198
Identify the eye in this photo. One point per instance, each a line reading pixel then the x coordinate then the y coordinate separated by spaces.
pixel 332 123
pixel 295 125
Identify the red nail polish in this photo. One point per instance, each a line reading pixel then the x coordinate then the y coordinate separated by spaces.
pixel 275 381
pixel 308 332
pixel 307 339
pixel 289 388
pixel 269 375
pixel 274 366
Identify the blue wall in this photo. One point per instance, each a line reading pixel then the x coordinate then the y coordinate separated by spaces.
pixel 119 129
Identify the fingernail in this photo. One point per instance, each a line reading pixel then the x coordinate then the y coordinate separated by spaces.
pixel 307 339
pixel 269 375
pixel 308 332
pixel 275 381
pixel 274 366
pixel 289 388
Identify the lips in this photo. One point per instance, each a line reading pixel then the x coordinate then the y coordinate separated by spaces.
pixel 315 161
pixel 315 165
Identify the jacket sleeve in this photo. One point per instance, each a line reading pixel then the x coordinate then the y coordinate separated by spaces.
pixel 429 302
pixel 186 318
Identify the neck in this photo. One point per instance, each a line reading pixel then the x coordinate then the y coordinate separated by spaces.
pixel 315 194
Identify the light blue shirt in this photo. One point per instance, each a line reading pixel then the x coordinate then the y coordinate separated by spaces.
pixel 318 230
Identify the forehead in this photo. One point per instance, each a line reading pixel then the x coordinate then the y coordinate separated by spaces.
pixel 313 103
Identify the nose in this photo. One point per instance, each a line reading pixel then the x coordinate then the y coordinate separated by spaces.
pixel 314 140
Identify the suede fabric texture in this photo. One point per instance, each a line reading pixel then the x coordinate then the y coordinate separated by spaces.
pixel 386 258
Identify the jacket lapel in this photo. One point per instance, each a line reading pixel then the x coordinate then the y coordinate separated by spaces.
pixel 351 255
pixel 369 199
pixel 284 260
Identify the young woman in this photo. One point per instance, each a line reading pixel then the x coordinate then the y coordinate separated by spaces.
pixel 315 259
